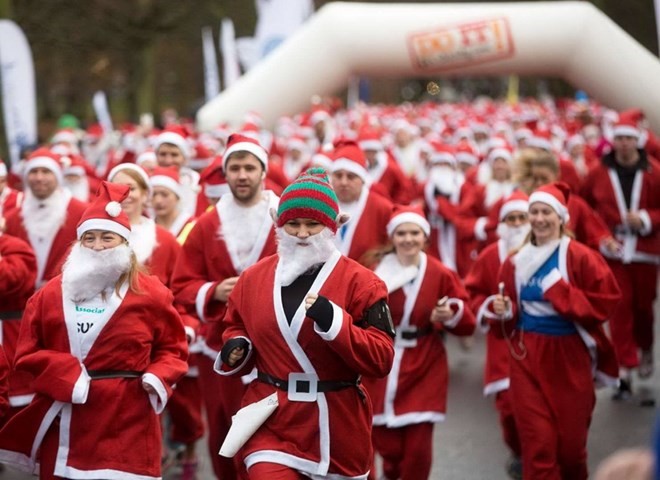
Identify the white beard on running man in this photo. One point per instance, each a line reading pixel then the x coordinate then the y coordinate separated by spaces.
pixel 88 273
pixel 513 237
pixel 297 256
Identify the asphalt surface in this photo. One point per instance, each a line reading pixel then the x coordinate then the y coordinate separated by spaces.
pixel 468 446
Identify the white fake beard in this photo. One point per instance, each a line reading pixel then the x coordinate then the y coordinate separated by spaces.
pixel 43 218
pixel 79 190
pixel 513 237
pixel 296 259
pixel 143 239
pixel 496 190
pixel 87 273
pixel 240 227
pixel 444 179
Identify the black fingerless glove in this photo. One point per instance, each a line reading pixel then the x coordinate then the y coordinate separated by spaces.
pixel 321 312
pixel 230 345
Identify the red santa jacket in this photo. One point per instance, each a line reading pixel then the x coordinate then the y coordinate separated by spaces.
pixel 205 262
pixel 583 290
pixel 18 273
pixel 481 284
pixel 10 200
pixel 367 228
pixel 311 436
pixel 109 428
pixel 61 242
pixel 415 391
pixel 602 190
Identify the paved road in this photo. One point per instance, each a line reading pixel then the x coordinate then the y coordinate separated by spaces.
pixel 468 445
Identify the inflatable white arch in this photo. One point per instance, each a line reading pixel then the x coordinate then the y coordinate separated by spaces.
pixel 569 40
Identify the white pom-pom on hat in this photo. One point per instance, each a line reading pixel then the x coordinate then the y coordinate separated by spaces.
pixel 113 209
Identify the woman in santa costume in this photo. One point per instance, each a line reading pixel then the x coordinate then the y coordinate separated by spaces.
pixel 166 192
pixel 312 321
pixel 104 347
pixel 426 298
pixel 481 282
pixel 557 294
pixel 158 250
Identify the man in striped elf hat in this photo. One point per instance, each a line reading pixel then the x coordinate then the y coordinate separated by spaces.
pixel 313 322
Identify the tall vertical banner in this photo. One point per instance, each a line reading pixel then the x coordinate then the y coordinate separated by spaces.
pixel 656 4
pixel 211 75
pixel 100 104
pixel 230 69
pixel 18 89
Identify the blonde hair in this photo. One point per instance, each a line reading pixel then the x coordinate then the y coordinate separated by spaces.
pixel 135 176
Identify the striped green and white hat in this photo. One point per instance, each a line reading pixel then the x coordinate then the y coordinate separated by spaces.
pixel 309 196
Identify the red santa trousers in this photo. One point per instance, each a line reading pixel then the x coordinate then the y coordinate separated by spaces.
pixel 631 323
pixel 273 471
pixel 553 398
pixel 508 422
pixel 222 399
pixel 185 409
pixel 407 452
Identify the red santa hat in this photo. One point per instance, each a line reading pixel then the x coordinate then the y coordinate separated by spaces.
pixel 518 201
pixel 167 177
pixel 408 214
pixel 146 156
pixel 213 180
pixel 370 140
pixel 203 156
pixel 66 135
pixel 130 166
pixel 73 165
pixel 297 142
pixel 242 143
pixel 573 141
pixel 554 194
pixel 174 135
pixel 348 156
pixel 466 153
pixel 105 212
pixel 44 158
pixel 542 139
pixel 505 153
pixel 442 153
pixel 625 128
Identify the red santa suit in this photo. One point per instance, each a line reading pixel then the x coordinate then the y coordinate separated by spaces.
pixel 52 247
pixel 10 200
pixel 553 411
pixel 636 266
pixel 18 272
pixel 310 434
pixel 366 227
pixel 205 261
pixel 158 250
pixel 452 238
pixel 389 180
pixel 415 391
pixel 4 384
pixel 481 283
pixel 96 428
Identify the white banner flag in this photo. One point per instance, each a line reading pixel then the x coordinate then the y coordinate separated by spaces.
pixel 18 89
pixel 277 20
pixel 656 3
pixel 211 75
pixel 230 69
pixel 100 103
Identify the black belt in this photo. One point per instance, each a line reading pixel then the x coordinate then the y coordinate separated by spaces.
pixel 413 334
pixel 11 315
pixel 322 385
pixel 103 374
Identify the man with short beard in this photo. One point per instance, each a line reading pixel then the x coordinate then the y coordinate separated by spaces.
pixel 104 347
pixel 481 283
pixel 225 241
pixel 313 322
pixel 47 222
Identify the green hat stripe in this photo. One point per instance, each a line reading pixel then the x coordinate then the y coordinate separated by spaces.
pixel 307 202
pixel 318 187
